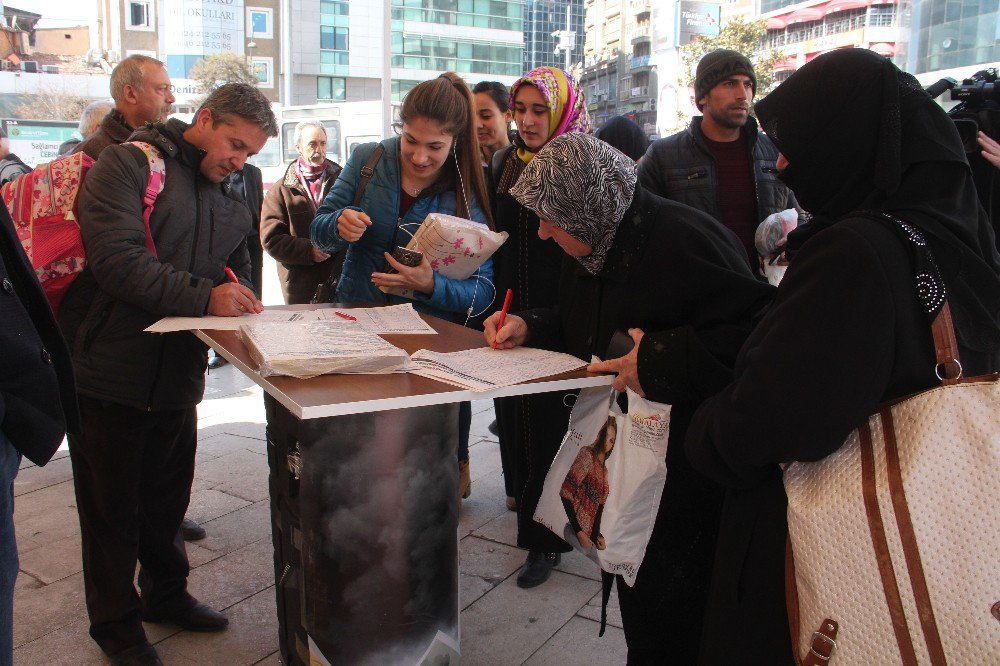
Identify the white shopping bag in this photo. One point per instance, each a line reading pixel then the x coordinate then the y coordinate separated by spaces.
pixel 603 490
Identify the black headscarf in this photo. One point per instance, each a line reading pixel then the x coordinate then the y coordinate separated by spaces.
pixel 861 135
pixel 625 135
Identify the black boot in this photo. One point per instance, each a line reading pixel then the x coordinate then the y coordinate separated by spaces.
pixel 537 568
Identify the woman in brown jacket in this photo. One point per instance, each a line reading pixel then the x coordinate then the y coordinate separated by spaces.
pixel 288 211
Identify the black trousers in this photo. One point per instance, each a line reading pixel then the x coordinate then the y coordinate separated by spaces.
pixel 132 471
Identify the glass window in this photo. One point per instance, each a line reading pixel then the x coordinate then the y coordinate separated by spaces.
pixel 331 89
pixel 333 7
pixel 138 14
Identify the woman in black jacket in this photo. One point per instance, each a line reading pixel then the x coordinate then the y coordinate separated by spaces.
pixel 638 263
pixel 859 139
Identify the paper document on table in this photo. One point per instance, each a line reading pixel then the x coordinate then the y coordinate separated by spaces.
pixel 387 320
pixel 311 348
pixel 484 369
pixel 209 323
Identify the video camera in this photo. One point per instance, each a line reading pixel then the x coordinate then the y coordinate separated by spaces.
pixel 978 110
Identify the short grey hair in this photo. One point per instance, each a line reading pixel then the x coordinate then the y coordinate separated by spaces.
pixel 129 72
pixel 242 100
pixel 301 127
pixel 92 116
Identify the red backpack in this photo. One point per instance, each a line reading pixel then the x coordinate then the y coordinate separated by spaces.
pixel 43 206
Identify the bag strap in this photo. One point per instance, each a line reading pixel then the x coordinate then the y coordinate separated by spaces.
pixel 933 297
pixel 154 185
pixel 367 171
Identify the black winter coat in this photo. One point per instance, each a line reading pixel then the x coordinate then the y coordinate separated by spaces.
pixel 682 278
pixel 198 228
pixel 37 400
pixel 845 333
pixel 112 131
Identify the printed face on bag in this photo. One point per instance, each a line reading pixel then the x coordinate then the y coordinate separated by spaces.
pixel 424 147
pixel 227 145
pixel 570 245
pixel 312 145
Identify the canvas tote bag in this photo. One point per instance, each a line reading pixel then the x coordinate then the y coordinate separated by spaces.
pixel 895 538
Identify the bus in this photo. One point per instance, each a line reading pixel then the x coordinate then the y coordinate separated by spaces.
pixel 348 125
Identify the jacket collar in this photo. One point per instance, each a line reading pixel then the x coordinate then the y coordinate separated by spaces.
pixel 291 179
pixel 169 137
pixel 750 130
pixel 115 127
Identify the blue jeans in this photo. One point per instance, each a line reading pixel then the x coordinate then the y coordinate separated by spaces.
pixel 10 460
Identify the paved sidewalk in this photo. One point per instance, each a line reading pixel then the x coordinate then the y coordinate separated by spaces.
pixel 232 568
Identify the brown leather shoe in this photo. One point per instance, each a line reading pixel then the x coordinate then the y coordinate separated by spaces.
pixel 464 479
pixel 194 618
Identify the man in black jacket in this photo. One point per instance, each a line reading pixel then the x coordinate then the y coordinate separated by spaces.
pixel 37 401
pixel 133 462
pixel 721 164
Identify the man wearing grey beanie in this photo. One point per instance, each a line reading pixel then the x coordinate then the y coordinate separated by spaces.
pixel 721 164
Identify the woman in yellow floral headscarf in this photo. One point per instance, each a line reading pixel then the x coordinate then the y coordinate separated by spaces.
pixel 546 102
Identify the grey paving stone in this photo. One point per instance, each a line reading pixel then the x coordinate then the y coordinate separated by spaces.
pixel 42 610
pixel 241 473
pixel 198 556
pixel 512 624
pixel 592 611
pixel 212 503
pixel 483 565
pixel 34 478
pixel 53 561
pixel 273 659
pixel 481 420
pixel 484 459
pixel 46 516
pixel 578 643
pixel 502 529
pixel 218 440
pixel 234 577
pixel 486 503
pixel 578 564
pixel 70 645
pixel 237 529
pixel 252 636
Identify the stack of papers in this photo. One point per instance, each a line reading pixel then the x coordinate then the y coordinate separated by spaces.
pixel 312 348
pixel 484 369
pixel 393 319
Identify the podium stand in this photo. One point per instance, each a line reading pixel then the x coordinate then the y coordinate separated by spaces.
pixel 364 504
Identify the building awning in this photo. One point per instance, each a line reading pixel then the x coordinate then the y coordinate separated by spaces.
pixel 844 5
pixel 884 49
pixel 784 66
pixel 776 23
pixel 804 14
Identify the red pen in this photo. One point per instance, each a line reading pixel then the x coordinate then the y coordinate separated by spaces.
pixel 503 312
pixel 344 315
pixel 232 275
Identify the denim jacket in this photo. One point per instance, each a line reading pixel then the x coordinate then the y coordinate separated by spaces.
pixel 451 299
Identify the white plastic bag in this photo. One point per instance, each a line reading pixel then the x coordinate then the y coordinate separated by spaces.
pixel 604 503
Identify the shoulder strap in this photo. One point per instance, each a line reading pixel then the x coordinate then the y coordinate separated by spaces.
pixel 367 171
pixel 933 298
pixel 157 179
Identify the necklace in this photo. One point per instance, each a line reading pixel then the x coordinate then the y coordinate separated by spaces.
pixel 414 191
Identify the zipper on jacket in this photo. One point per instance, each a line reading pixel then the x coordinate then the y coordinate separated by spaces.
pixel 211 230
pixel 698 173
pixel 197 226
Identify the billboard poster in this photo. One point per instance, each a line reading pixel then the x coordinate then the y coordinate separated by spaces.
pixel 37 141
pixel 196 28
pixel 696 19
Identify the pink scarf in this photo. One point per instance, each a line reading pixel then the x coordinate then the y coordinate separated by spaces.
pixel 311 176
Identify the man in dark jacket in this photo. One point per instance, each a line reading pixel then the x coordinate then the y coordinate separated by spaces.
pixel 37 401
pixel 133 462
pixel 721 152
pixel 142 93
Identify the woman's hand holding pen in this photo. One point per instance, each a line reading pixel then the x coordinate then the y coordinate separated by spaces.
pixel 512 334
pixel 352 224
pixel 626 367
pixel 419 278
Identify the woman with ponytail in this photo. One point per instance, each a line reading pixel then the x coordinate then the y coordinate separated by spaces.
pixel 547 103
pixel 432 166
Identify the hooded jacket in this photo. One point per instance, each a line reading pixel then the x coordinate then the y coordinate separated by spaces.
pixel 198 228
